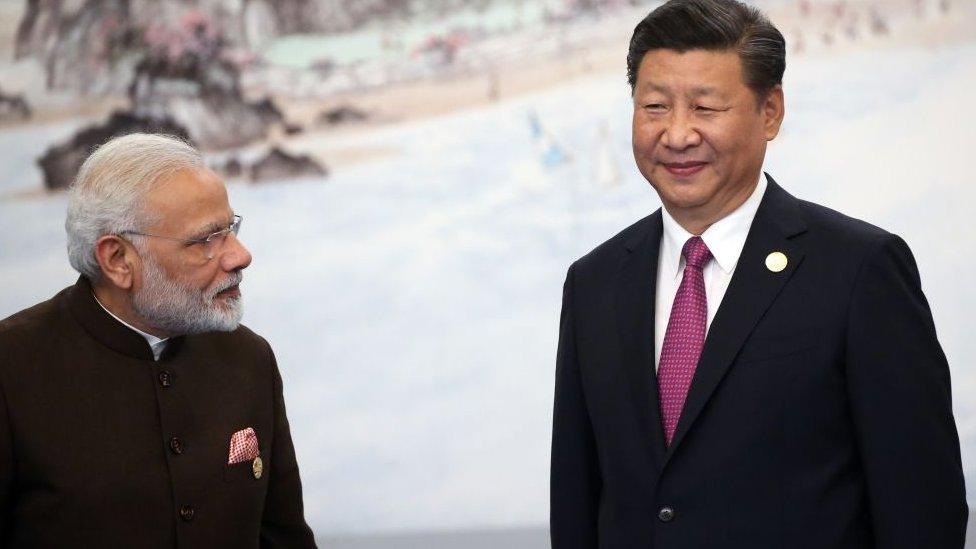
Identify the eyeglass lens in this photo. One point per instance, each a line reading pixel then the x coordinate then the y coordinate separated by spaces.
pixel 217 240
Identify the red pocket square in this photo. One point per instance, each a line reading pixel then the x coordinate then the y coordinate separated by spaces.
pixel 243 446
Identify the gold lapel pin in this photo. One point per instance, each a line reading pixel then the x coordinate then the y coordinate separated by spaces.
pixel 258 467
pixel 776 261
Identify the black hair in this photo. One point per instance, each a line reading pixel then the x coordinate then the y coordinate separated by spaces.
pixel 683 25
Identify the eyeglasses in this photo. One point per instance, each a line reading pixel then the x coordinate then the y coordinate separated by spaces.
pixel 210 245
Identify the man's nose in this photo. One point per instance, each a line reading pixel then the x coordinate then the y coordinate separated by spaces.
pixel 680 132
pixel 235 256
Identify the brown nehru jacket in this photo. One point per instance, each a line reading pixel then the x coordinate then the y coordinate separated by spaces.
pixel 101 446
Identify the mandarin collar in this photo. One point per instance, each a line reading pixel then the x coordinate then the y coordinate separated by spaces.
pixel 107 330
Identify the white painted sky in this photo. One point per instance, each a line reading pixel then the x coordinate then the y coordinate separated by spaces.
pixel 413 301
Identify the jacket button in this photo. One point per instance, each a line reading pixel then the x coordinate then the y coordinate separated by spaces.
pixel 165 379
pixel 186 513
pixel 176 445
pixel 665 514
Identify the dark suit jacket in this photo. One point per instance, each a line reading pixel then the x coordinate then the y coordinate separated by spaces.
pixel 87 428
pixel 819 415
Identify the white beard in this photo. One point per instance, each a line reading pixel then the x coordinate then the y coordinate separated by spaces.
pixel 180 309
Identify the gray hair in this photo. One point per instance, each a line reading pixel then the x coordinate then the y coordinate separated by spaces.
pixel 108 193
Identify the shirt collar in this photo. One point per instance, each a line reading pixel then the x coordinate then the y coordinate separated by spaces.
pixel 725 238
pixel 156 344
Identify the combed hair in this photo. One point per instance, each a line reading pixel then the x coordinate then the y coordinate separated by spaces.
pixel 684 25
pixel 108 193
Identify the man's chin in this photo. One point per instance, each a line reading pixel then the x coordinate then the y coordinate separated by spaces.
pixel 225 302
pixel 231 311
pixel 683 195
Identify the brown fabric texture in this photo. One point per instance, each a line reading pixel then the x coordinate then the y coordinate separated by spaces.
pixel 100 446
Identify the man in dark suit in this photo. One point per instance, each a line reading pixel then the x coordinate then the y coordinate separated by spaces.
pixel 134 410
pixel 743 369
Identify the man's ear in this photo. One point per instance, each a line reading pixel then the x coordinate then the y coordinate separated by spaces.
pixel 773 110
pixel 118 260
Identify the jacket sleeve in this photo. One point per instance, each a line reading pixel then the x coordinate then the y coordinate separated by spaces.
pixel 283 524
pixel 574 474
pixel 6 468
pixel 898 380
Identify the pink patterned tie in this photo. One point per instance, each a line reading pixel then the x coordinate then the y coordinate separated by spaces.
pixel 684 337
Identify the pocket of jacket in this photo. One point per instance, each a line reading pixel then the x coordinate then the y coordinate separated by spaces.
pixel 768 348
pixel 244 471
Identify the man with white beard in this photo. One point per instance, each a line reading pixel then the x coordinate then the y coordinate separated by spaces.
pixel 135 410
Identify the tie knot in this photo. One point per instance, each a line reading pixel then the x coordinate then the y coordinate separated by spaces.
pixel 696 252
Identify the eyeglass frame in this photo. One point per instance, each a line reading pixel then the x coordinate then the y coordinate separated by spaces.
pixel 234 227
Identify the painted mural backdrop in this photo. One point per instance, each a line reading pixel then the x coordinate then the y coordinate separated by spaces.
pixel 417 176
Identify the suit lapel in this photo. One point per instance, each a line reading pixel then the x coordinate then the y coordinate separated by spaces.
pixel 751 291
pixel 634 303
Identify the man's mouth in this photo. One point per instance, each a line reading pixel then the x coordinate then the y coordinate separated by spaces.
pixel 684 169
pixel 230 288
pixel 233 291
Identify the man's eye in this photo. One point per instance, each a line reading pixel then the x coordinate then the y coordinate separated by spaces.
pixel 702 108
pixel 655 107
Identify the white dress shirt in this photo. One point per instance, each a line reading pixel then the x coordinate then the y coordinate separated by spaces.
pixel 725 239
pixel 157 345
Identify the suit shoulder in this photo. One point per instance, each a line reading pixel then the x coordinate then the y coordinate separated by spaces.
pixel 27 335
pixel 242 342
pixel 37 319
pixel 242 336
pixel 614 247
pixel 840 227
pixel 243 333
pixel 253 359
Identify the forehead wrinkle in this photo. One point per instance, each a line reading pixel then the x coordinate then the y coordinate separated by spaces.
pixel 700 91
pixel 653 87
pixel 696 91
